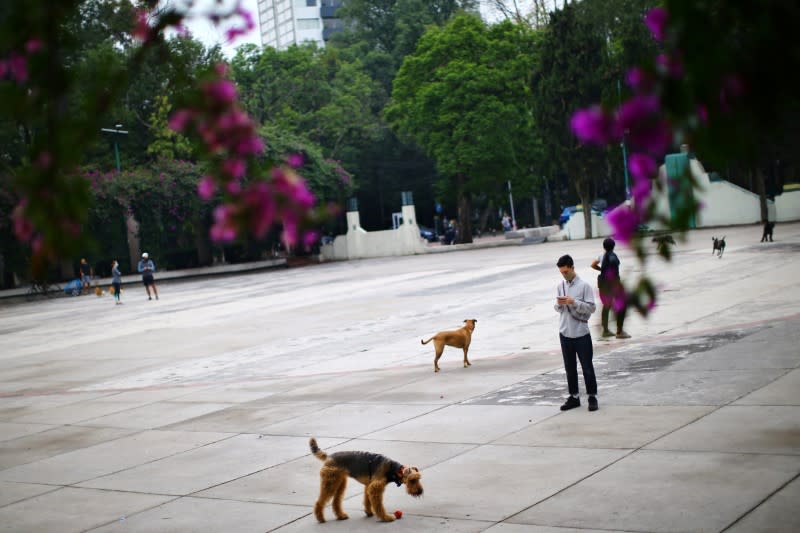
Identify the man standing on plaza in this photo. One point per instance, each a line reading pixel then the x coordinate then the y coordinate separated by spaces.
pixel 575 304
pixel 86 274
pixel 147 267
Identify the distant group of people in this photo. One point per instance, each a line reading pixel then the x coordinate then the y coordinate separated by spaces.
pixel 146 267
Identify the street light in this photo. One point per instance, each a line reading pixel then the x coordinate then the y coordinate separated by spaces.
pixel 116 131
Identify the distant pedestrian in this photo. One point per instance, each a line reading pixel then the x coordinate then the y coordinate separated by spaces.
pixel 147 267
pixel 506 222
pixel 86 273
pixel 612 293
pixel 575 304
pixel 116 281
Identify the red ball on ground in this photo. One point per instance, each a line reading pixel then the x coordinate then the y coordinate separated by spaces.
pixel 398 514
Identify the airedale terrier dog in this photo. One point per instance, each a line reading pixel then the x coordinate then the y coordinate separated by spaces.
pixel 457 338
pixel 373 470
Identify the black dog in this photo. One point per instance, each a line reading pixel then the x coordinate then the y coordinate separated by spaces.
pixel 719 246
pixel 768 227
pixel 663 242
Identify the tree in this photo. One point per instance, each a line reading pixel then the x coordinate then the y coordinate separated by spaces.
pixel 462 97
pixel 569 72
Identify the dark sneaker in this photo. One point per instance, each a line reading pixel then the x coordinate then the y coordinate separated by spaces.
pixel 592 403
pixel 571 403
pixel 607 333
pixel 623 335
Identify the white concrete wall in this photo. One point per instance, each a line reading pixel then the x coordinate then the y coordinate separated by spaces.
pixel 360 244
pixel 787 206
pixel 574 228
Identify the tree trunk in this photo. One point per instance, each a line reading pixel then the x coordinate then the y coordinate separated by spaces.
pixel 204 257
pixel 583 187
pixel 485 217
pixel 464 214
pixel 761 185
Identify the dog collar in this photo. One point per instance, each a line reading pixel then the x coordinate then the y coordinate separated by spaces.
pixel 398 477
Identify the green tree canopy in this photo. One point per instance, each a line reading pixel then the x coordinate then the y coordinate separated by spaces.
pixel 463 96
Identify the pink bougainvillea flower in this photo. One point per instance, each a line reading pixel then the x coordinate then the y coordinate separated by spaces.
pixel 642 166
pixel 671 66
pixel 234 167
pixel 624 221
pixel 33 45
pixel 656 21
pixel 3 68
pixel 220 91
pixel 641 191
pixel 142 30
pixel 641 119
pixel 295 160
pixel 310 238
pixel 206 187
pixel 18 67
pixel 23 228
pixel 179 119
pixel 251 146
pixel 593 125
pixel 639 79
pixel 702 113
pixel 224 228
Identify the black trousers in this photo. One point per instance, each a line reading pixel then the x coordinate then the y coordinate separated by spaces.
pixel 582 347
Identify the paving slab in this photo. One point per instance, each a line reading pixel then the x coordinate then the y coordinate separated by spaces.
pixel 251 417
pixel 612 426
pixel 114 456
pixel 53 442
pixel 195 514
pixel 74 509
pixel 782 504
pixel 666 491
pixel 782 391
pixel 495 482
pixel 154 415
pixel 11 491
pixel 14 430
pixel 201 468
pixel 771 429
pixel 479 424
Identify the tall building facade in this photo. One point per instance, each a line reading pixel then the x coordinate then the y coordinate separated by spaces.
pixel 287 22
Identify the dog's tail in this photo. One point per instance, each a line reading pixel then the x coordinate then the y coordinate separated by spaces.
pixel 319 454
pixel 427 341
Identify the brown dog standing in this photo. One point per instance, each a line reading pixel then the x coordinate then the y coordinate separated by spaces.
pixel 457 338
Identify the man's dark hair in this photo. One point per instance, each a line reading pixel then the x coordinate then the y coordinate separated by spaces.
pixel 565 261
pixel 608 244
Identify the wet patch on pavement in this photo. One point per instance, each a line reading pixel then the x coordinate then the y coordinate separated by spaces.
pixel 618 368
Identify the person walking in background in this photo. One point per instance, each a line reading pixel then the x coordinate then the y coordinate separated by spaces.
pixel 146 267
pixel 612 293
pixel 116 281
pixel 575 304
pixel 86 274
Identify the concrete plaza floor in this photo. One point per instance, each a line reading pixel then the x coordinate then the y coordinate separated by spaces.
pixel 193 412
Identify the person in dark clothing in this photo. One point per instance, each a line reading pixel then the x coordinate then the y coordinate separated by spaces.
pixel 612 293
pixel 116 281
pixel 147 267
pixel 86 274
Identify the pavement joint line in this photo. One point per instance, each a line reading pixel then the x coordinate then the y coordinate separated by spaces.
pixel 759 504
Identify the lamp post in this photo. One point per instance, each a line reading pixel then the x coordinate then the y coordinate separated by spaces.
pixel 117 132
pixel 511 201
pixel 624 149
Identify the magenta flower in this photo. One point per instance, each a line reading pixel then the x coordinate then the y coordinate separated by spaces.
pixel 3 68
pixel 593 125
pixel 639 79
pixel 18 67
pixel 641 191
pixel 23 228
pixel 295 160
pixel 310 238
pixel 221 91
pixel 251 146
pixel 141 30
pixel 33 45
pixel 624 221
pixel 234 167
pixel 179 119
pixel 642 166
pixel 656 21
pixel 641 118
pixel 668 65
pixel 206 187
pixel 702 113
pixel 224 229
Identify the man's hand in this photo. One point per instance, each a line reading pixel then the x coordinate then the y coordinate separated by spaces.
pixel 565 300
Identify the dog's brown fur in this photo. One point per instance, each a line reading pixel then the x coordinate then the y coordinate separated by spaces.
pixel 374 471
pixel 457 338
